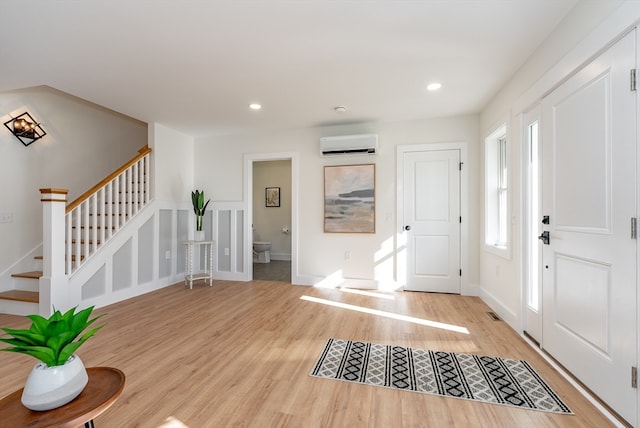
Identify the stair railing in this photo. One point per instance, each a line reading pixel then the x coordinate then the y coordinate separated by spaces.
pixel 95 217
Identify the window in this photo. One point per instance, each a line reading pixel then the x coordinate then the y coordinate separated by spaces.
pixel 497 193
pixel 501 239
pixel 533 289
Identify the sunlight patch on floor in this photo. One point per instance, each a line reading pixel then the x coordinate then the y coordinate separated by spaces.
pixel 421 321
pixel 332 281
pixel 369 293
pixel 172 422
pixel 337 280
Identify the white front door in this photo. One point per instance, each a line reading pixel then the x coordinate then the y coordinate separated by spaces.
pixel 589 193
pixel 431 210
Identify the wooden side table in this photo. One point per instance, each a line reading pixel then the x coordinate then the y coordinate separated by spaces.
pixel 207 274
pixel 103 389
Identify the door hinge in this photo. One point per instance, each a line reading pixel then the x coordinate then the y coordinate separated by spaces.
pixel 634 377
pixel 633 79
pixel 460 219
pixel 460 272
pixel 634 228
pixel 460 165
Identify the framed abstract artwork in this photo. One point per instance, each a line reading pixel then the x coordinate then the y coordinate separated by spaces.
pixel 272 197
pixel 349 198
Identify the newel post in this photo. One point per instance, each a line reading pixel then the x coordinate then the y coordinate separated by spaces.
pixel 54 290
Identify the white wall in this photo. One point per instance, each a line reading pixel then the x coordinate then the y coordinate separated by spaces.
pixel 84 143
pixel 589 28
pixel 218 164
pixel 269 221
pixel 173 159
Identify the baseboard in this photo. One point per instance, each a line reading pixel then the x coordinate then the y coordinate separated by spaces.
pixel 360 284
pixel 503 311
pixel 471 290
pixel 337 281
pixel 307 280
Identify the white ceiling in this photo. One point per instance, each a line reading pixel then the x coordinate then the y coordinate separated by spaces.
pixel 195 65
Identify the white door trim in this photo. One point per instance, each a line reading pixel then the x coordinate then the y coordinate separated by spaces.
pixel 637 35
pixel 249 159
pixel 401 265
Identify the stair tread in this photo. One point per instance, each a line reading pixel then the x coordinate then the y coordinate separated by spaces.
pixel 21 296
pixel 36 274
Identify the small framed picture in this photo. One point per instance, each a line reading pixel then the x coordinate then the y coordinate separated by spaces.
pixel 272 197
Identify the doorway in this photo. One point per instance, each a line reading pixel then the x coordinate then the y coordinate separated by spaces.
pixel 255 195
pixel 272 220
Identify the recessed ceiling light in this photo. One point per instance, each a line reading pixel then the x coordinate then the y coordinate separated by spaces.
pixel 340 109
pixel 255 106
pixel 434 86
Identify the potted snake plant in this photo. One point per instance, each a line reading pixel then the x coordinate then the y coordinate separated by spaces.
pixel 199 207
pixel 60 376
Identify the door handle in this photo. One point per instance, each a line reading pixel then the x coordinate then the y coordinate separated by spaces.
pixel 407 228
pixel 544 237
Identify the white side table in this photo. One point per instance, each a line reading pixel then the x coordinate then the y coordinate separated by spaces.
pixel 207 274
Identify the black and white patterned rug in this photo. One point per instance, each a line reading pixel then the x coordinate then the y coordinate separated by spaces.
pixel 472 377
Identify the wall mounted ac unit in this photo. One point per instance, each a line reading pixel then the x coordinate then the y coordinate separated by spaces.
pixel 365 144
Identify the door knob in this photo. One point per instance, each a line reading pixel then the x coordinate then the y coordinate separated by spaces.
pixel 407 227
pixel 544 237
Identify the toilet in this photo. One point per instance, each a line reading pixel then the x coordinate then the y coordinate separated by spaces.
pixel 261 252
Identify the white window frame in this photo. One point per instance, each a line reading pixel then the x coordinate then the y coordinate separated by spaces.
pixel 497 230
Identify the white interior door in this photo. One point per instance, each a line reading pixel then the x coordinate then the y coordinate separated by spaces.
pixel 432 220
pixel 589 192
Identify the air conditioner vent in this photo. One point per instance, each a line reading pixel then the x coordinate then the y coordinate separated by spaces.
pixel 366 144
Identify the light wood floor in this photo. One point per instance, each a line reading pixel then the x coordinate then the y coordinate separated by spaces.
pixel 238 354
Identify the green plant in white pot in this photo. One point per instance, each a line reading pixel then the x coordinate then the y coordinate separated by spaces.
pixel 199 207
pixel 60 376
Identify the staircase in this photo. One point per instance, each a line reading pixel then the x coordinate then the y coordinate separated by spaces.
pixel 89 222
pixel 24 295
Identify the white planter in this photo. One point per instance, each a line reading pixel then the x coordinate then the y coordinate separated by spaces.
pixel 50 387
pixel 198 235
